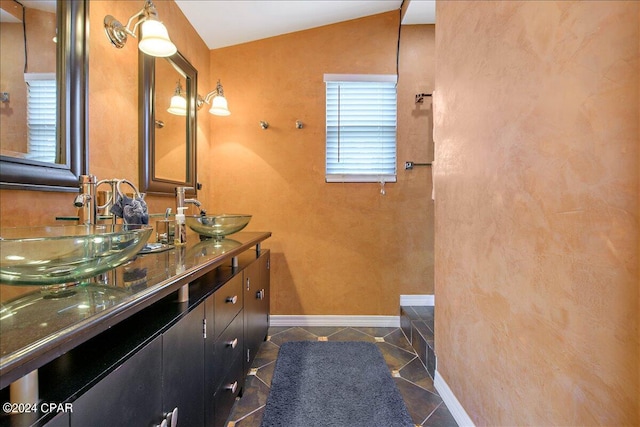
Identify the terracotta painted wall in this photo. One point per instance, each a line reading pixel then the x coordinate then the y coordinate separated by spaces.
pixel 337 249
pixel 113 113
pixel 537 216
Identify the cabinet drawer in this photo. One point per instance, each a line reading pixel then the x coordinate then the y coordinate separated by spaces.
pixel 227 393
pixel 228 303
pixel 228 348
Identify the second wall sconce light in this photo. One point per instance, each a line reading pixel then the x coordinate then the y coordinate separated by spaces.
pixel 178 104
pixel 216 98
pixel 154 38
pixel 217 101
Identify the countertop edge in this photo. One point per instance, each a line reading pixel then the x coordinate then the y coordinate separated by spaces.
pixel 69 338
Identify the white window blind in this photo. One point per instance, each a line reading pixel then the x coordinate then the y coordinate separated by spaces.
pixel 41 117
pixel 360 128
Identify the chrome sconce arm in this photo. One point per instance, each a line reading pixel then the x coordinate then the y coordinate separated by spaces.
pixel 154 38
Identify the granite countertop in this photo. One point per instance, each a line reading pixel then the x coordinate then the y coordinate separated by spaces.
pixel 39 326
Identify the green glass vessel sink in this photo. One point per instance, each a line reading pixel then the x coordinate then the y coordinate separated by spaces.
pixel 67 254
pixel 217 226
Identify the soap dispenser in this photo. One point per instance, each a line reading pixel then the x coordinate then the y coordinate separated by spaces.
pixel 181 228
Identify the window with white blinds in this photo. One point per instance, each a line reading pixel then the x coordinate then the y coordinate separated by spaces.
pixel 41 117
pixel 360 128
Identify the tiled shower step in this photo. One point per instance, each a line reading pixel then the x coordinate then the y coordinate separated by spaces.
pixel 417 324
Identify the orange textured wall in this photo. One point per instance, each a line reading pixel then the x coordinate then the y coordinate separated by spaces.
pixel 336 248
pixel 39 30
pixel 537 216
pixel 113 113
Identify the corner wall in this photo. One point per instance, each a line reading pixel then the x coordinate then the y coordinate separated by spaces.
pixel 337 249
pixel 537 216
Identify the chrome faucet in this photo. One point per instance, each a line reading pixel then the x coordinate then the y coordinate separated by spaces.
pixel 181 201
pixel 86 200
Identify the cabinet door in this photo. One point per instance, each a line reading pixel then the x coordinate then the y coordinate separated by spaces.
pixel 183 369
pixel 129 396
pixel 210 365
pixel 256 306
pixel 60 420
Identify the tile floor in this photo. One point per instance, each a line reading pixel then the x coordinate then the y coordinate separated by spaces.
pixel 414 382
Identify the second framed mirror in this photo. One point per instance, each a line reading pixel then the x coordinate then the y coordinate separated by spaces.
pixel 167 125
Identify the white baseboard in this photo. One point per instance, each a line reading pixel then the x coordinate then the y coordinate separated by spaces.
pixel 418 300
pixel 320 320
pixel 454 406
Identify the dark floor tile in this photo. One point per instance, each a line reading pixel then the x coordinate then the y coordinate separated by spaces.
pixel 252 420
pixel 395 357
pixel 415 372
pixel 376 332
pixel 420 403
pixel 273 330
pixel 431 360
pixel 265 373
pixel 441 417
pixel 405 324
pixel 425 313
pixel 323 331
pixel 419 344
pixel 267 353
pixel 423 329
pixel 254 395
pixel 293 334
pixel 411 313
pixel 350 334
pixel 398 339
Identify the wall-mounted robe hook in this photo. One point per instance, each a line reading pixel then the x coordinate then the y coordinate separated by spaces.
pixel 299 124
pixel 264 125
pixel 420 97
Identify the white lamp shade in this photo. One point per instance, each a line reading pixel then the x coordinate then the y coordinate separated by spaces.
pixel 155 40
pixel 219 106
pixel 178 105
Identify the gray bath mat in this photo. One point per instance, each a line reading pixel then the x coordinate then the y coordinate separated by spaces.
pixel 333 384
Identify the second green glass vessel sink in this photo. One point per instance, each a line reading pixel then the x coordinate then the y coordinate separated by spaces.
pixel 217 226
pixel 55 255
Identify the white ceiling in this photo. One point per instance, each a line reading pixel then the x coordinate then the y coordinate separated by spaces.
pixel 46 5
pixel 223 23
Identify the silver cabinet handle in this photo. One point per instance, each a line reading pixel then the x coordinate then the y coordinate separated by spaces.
pixel 233 343
pixel 233 299
pixel 174 417
pixel 170 419
pixel 232 387
pixel 260 294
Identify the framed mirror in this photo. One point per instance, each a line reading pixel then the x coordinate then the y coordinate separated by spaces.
pixel 57 30
pixel 167 141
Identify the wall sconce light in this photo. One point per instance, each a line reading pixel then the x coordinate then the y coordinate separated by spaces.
pixel 178 104
pixel 154 38
pixel 264 125
pixel 217 100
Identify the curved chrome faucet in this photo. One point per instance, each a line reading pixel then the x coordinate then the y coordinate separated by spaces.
pixel 181 201
pixel 86 200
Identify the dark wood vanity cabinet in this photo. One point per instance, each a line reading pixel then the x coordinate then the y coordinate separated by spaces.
pixel 164 375
pixel 224 344
pixel 190 356
pixel 256 306
pixel 182 368
pixel 129 395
